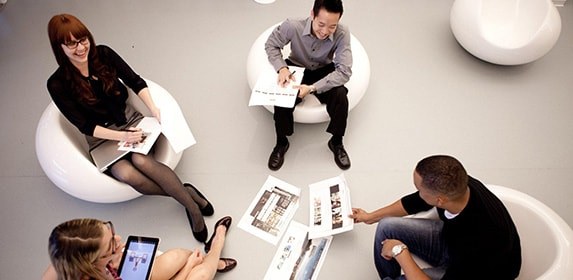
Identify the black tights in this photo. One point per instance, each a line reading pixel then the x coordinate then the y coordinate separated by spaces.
pixel 150 177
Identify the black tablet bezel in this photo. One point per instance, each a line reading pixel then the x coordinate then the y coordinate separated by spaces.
pixel 140 239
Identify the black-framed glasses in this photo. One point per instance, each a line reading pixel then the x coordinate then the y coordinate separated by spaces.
pixel 112 242
pixel 72 45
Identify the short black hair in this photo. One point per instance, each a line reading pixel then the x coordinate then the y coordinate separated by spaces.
pixel 443 174
pixel 332 6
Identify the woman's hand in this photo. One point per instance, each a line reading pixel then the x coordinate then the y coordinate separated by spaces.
pixel 195 258
pixel 133 135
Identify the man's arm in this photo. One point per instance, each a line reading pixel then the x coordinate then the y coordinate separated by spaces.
pixel 393 210
pixel 279 38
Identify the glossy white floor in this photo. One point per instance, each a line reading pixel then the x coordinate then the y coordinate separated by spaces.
pixel 510 126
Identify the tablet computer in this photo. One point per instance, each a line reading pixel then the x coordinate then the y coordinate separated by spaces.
pixel 138 256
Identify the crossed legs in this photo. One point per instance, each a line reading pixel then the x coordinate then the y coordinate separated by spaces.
pixel 150 177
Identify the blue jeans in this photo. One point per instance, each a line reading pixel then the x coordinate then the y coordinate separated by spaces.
pixel 423 238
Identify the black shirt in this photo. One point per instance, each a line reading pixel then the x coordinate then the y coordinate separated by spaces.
pixel 109 109
pixel 482 240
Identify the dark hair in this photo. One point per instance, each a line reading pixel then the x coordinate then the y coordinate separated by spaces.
pixel 444 175
pixel 60 30
pixel 332 6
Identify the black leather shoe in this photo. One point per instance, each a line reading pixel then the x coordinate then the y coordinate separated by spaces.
pixel 277 157
pixel 340 156
pixel 229 264
pixel 208 210
pixel 201 236
pixel 226 222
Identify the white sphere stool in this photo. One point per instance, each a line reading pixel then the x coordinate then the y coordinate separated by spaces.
pixel 62 151
pixel 508 32
pixel 310 110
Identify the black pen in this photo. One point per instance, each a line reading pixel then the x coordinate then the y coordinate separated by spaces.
pixel 291 74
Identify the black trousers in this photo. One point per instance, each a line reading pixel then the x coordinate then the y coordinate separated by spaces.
pixel 336 101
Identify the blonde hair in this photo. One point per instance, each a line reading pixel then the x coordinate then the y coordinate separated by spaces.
pixel 74 248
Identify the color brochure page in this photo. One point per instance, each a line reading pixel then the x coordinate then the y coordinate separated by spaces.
pixel 297 257
pixel 330 207
pixel 271 210
pixel 267 92
pixel 151 130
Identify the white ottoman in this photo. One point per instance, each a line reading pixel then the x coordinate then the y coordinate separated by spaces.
pixel 62 151
pixel 310 110
pixel 508 32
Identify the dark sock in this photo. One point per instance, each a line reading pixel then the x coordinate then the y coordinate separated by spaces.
pixel 282 140
pixel 336 140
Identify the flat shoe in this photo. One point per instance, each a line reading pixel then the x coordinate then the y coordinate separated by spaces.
pixel 208 209
pixel 229 264
pixel 226 222
pixel 201 236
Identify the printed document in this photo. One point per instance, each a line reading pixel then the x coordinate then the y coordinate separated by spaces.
pixel 268 92
pixel 297 257
pixel 271 210
pixel 329 207
pixel 151 129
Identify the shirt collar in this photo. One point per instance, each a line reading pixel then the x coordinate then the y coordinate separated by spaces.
pixel 307 30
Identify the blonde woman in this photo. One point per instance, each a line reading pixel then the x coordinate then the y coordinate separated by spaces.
pixel 90 249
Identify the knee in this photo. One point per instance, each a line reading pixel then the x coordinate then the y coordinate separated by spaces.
pixel 203 272
pixel 175 256
pixel 384 226
pixel 141 160
pixel 340 95
pixel 123 172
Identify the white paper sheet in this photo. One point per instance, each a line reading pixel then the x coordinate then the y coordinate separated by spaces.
pixel 271 210
pixel 297 257
pixel 151 130
pixel 329 207
pixel 175 127
pixel 267 92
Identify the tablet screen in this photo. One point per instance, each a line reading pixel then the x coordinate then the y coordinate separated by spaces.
pixel 138 256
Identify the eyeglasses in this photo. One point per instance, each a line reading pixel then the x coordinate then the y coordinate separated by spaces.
pixel 72 45
pixel 112 242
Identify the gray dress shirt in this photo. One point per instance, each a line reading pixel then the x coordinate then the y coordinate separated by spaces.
pixel 312 53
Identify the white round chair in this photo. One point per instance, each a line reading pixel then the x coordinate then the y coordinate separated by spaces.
pixel 508 32
pixel 546 239
pixel 310 110
pixel 62 151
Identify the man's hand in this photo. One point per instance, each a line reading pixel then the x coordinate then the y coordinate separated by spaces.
pixel 284 77
pixel 387 246
pixel 360 216
pixel 303 90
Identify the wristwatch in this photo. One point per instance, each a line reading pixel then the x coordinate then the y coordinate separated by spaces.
pixel 312 89
pixel 397 249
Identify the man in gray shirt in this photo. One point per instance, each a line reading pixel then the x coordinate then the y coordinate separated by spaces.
pixel 322 46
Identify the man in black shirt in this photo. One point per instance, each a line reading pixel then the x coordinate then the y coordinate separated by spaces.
pixel 474 238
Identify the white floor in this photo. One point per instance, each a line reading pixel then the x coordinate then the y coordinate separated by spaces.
pixel 510 126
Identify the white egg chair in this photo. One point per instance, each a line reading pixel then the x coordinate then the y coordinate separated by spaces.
pixel 506 32
pixel 310 110
pixel 62 151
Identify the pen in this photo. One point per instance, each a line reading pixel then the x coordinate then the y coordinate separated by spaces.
pixel 291 74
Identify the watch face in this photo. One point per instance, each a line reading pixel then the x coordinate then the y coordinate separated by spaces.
pixel 397 249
